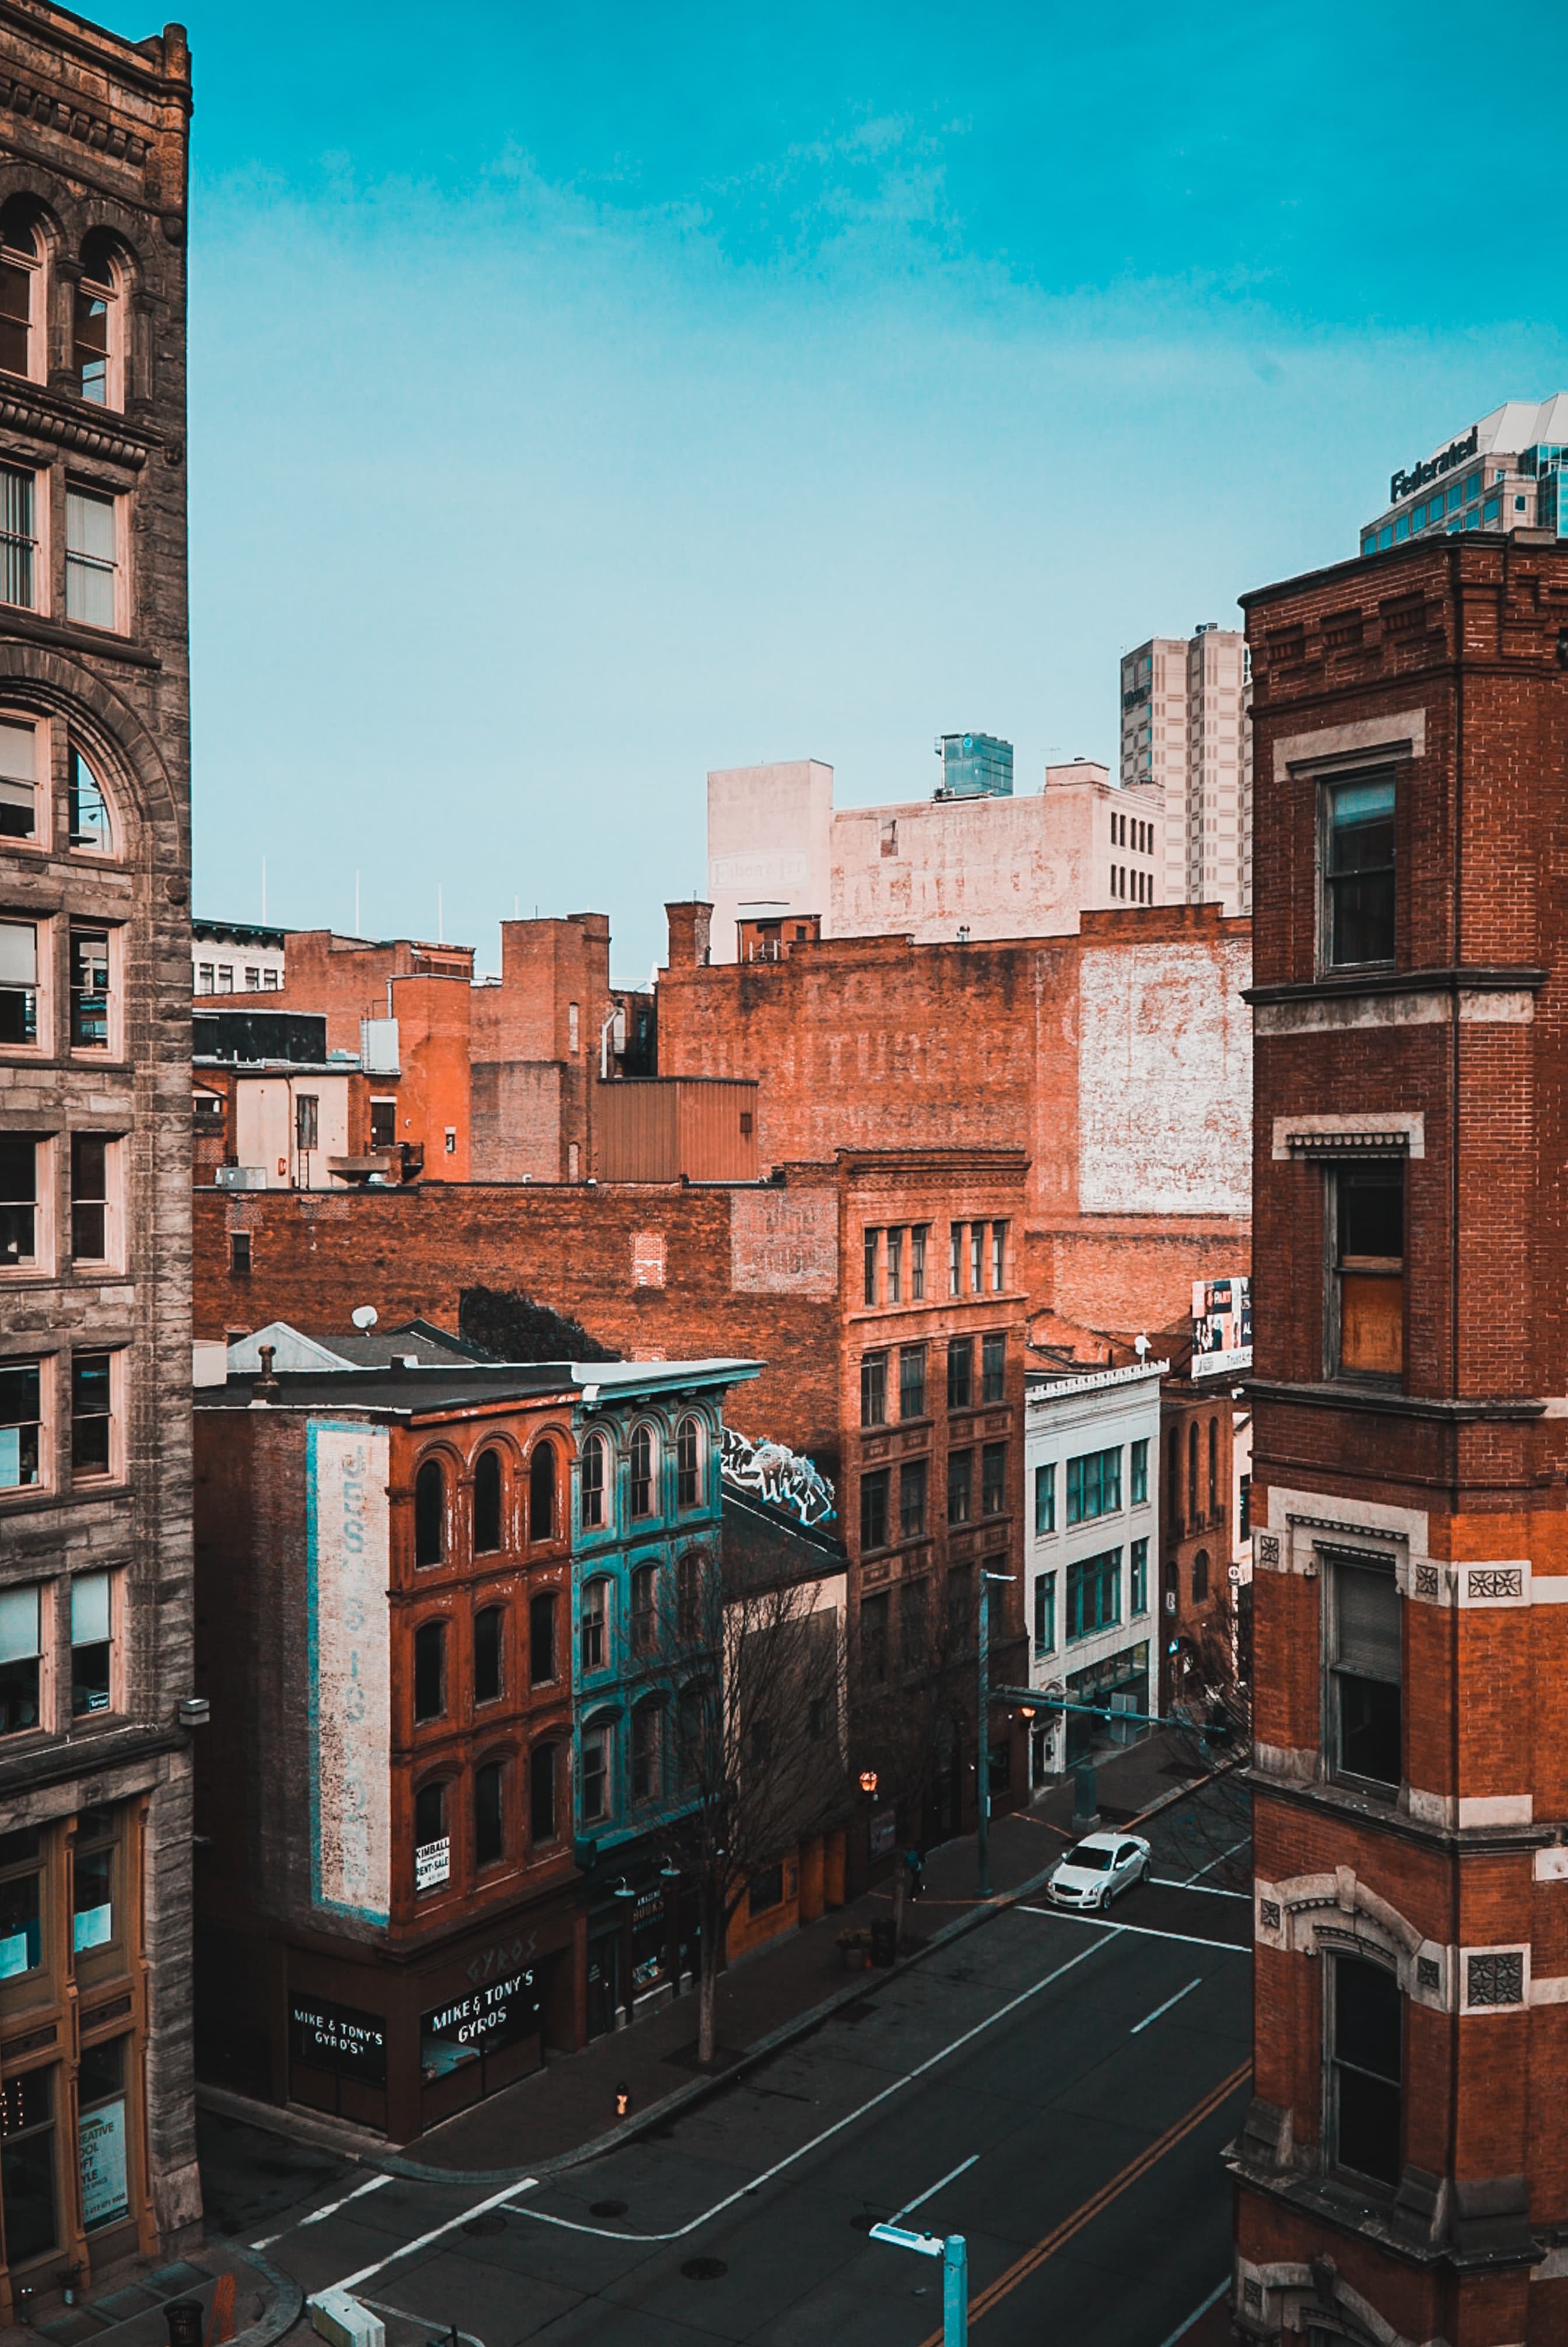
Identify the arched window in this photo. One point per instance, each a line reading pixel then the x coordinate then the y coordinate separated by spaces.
pixel 1174 1477
pixel 593 1626
pixel 593 1484
pixel 488 1503
pixel 1200 1576
pixel 542 1638
pixel 542 1492
pixel 429 1514
pixel 597 1782
pixel 1214 1466
pixel 644 1609
pixel 21 290
pixel 1192 1469
pixel 648 1750
pixel 542 1794
pixel 91 827
pixel 429 1671
pixel 643 1471
pixel 688 1598
pixel 489 1813
pixel 489 1667
pixel 96 341
pixel 432 1850
pixel 687 1463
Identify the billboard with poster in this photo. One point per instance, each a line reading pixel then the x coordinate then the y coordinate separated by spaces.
pixel 1222 1327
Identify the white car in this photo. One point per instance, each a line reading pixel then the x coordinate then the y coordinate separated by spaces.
pixel 1095 1869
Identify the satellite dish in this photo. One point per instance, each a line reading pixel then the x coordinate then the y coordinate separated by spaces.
pixel 364 1316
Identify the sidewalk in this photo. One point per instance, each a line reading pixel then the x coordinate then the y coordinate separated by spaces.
pixel 773 1993
pixel 130 2313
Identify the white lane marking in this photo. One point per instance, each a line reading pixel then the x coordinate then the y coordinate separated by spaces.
pixel 266 2240
pixel 1144 1931
pixel 1159 2009
pixel 1182 2329
pixel 423 2240
pixel 932 2189
pixel 1203 1890
pixel 603 2232
pixel 1217 1861
pixel 332 2207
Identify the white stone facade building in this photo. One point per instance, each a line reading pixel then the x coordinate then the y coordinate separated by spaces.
pixel 1187 729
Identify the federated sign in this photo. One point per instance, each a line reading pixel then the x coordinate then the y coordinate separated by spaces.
pixel 1222 1327
pixel 338 2037
pixel 351 1704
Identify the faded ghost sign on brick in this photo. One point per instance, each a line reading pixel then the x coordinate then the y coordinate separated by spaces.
pixel 783 1242
pixel 350 1677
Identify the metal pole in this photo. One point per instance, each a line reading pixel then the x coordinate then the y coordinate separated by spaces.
pixel 983 1752
pixel 954 2291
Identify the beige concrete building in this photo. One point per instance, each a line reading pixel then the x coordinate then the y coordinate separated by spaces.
pixel 1187 731
pixel 779 853
pixel 96 1587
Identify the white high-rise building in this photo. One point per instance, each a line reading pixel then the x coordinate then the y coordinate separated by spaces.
pixel 1186 725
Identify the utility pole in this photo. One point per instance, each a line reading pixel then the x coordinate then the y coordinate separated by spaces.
pixel 954 2254
pixel 983 1762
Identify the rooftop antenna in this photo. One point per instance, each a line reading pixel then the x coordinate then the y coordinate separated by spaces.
pixel 364 1316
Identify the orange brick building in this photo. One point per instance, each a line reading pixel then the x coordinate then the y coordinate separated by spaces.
pixel 1402 2174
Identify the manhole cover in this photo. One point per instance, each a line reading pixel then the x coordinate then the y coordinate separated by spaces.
pixel 704 2268
pixel 492 2221
pixel 607 2207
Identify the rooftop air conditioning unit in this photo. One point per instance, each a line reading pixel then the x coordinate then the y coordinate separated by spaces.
pixel 241 1177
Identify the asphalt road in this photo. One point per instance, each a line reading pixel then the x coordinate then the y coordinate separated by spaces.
pixel 1056 2089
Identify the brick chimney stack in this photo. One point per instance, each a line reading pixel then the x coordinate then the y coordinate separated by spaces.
pixel 691 925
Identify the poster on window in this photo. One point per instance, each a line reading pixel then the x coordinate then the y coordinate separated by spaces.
pixel 433 1863
pixel 1222 1327
pixel 338 2037
pixel 494 2015
pixel 100 2139
pixel 351 1702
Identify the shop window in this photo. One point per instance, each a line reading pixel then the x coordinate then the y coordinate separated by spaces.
pixel 489 1625
pixel 919 1242
pixel 593 1642
pixel 20 1656
pixel 643 1471
pixel 644 1609
pixel 993 1479
pixel 542 1492
pixel 91 827
pixel 1366 1286
pixel 92 559
pixel 89 1197
pixel 95 1861
pixel 647 1742
pixel 912 1381
pixel 489 1813
pixel 19 982
pixel 430 1513
pixel 92 1421
pixel 687 1463
pixel 895 1266
pixel 19 1158
pixel 1139 1600
pixel 993 1370
pixel 593 1481
pixel 688 1598
pixel 873 1509
pixel 429 1671
pixel 18 746
pixel 488 1503
pixel 1138 1464
pixel 542 1638
pixel 1093 1485
pixel 89 989
pixel 961 1372
pixel 1045 1614
pixel 874 1612
pixel 868 1249
pixel 432 1842
pixel 92 1642
pixel 912 1485
pixel 542 1793
pixel 960 1486
pixel 1357 822
pixel 21 1903
pixel 1363 1672
pixel 1045 1499
pixel 27 2166
pixel 1093 1594
pixel 103 2148
pixel 1366 2069
pixel 765 1890
pixel 596 1759
pixel 873 1389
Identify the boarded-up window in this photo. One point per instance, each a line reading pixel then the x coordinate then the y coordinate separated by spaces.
pixel 1369 1263
pixel 648 1259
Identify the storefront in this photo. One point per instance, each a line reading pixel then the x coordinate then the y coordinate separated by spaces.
pixel 643 1941
pixel 1120 1682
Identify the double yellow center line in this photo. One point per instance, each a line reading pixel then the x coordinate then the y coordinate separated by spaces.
pixel 1032 2259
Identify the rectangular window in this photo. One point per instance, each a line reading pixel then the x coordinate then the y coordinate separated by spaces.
pixel 873 1509
pixel 1367 2070
pixel 1137 1601
pixel 1139 1464
pixel 912 1481
pixel 92 557
pixel 955 1259
pixel 18 1202
pixel 19 982
pixel 912 1381
pixel 993 1370
pixel 16 312
pixel 646 1723
pixel 1045 1614
pixel 1358 871
pixel 92 1642
pixel 977 1257
pixel 961 1372
pixel 21 1918
pixel 21 1646
pixel 18 781
pixel 89 1197
pixel 994 1479
pixel 874 1614
pixel 307 1122
pixel 253 979
pixel 895 1267
pixel 430 1670
pixel 18 538
pixel 918 1240
pixel 21 1423
pixel 89 989
pixel 239 1253
pixel 1045 1499
pixel 593 1627
pixel 873 1389
pixel 91 1413
pixel 1093 1594
pixel 1364 1671
pixel 1093 1485
pixel 542 1638
pixel 384 1124
pixel 869 1250
pixel 999 1255
pixel 960 1486
pixel 93 1871
pixel 1366 1300
pixel 27 2165
pixel 90 344
pixel 596 1776
pixel 204 978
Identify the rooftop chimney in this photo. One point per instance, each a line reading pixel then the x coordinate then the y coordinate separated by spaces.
pixel 690 923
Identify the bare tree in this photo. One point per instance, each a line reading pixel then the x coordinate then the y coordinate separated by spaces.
pixel 914 1700
pixel 758 1734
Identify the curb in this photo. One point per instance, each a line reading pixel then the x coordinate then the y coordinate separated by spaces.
pixel 288 2304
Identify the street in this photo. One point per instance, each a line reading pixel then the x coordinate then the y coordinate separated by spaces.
pixel 1056 2088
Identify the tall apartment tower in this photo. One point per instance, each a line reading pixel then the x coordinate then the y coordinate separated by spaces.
pixel 1402 2173
pixel 98 2156
pixel 1185 724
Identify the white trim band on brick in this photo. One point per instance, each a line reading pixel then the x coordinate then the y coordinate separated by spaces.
pixel 1350 1132
pixel 1403 735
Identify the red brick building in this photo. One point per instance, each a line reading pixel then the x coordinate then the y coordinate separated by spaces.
pixel 1402 2174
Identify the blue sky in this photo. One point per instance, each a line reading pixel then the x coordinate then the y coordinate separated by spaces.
pixel 585 395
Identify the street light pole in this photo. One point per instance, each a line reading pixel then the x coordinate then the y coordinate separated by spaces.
pixel 953 2252
pixel 983 1762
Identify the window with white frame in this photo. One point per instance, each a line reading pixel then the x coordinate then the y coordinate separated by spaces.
pixel 92 559
pixel 19 982
pixel 20 1424
pixel 92 1413
pixel 20 810
pixel 91 827
pixel 21 1656
pixel 18 538
pixel 22 1158
pixel 21 281
pixel 90 980
pixel 596 1775
pixel 92 1642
